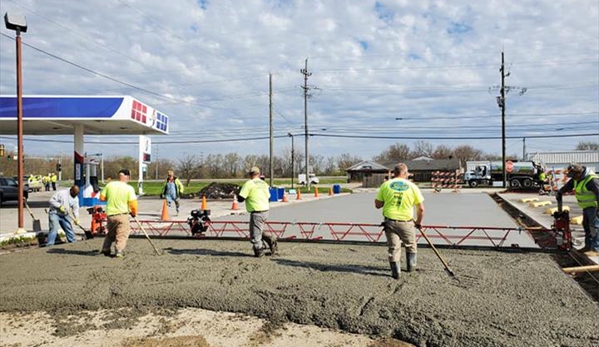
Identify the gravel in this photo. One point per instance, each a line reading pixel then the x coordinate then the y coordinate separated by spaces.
pixel 496 299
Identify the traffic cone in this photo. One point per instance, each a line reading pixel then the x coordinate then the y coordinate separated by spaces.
pixel 204 203
pixel 316 192
pixel 299 194
pixel 284 197
pixel 234 207
pixel 330 190
pixel 164 215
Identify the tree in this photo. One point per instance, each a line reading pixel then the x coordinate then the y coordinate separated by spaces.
pixel 465 153
pixel 422 148
pixel 396 152
pixel 587 146
pixel 188 167
pixel 232 162
pixel 346 160
pixel 442 152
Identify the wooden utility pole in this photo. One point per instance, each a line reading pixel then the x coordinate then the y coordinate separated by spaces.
pixel 271 170
pixel 502 105
pixel 306 74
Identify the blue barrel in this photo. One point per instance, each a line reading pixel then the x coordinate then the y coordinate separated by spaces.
pixel 274 196
pixel 281 193
pixel 336 189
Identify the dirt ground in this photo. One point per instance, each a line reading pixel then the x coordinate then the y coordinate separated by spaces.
pixel 496 299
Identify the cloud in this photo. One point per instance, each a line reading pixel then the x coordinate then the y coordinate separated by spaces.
pixel 433 64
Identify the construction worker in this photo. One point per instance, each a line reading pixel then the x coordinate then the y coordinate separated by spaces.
pixel 585 184
pixel 397 197
pixel 120 203
pixel 172 190
pixel 255 192
pixel 47 181
pixel 60 204
pixel 53 179
pixel 542 180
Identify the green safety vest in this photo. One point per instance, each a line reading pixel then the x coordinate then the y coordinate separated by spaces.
pixel 585 197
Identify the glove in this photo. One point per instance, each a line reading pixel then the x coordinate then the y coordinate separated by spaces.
pixel 132 214
pixel 62 209
pixel 76 221
pixel 418 225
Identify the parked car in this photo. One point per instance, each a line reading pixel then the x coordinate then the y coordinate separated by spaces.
pixel 9 190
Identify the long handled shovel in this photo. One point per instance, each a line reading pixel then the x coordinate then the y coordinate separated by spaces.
pixel 147 236
pixel 88 233
pixel 449 272
pixel 37 225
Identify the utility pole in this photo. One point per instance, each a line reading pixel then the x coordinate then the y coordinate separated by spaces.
pixel 501 102
pixel 524 148
pixel 502 105
pixel 306 74
pixel 271 171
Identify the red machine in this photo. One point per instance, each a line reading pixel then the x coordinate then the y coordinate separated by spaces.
pixel 561 228
pixel 98 227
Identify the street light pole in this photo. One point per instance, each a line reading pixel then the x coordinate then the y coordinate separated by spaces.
pixel 18 24
pixel 292 159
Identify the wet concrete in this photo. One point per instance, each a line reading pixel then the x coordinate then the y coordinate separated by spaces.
pixel 498 298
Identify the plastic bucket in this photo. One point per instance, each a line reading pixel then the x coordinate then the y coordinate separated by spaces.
pixel 336 189
pixel 274 196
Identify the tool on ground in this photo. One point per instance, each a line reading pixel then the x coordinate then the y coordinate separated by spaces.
pixel 561 228
pixel 447 269
pixel 198 221
pixel 37 225
pixel 147 236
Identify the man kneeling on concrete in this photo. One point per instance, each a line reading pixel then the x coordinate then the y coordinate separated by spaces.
pixel 60 204
pixel 256 195
pixel 397 197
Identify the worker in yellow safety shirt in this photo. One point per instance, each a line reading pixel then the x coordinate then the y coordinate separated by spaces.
pixel 585 184
pixel 120 203
pixel 53 179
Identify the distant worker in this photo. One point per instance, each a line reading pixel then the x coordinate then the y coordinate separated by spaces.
pixel 172 190
pixel 120 203
pixel 53 179
pixel 61 203
pixel 256 195
pixel 47 179
pixel 585 184
pixel 397 197
pixel 542 180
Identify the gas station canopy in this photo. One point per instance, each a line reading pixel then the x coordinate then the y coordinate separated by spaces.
pixel 99 115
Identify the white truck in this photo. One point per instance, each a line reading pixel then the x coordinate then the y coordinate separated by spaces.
pixel 524 174
pixel 301 179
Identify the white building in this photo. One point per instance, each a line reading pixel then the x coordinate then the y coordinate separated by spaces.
pixel 561 160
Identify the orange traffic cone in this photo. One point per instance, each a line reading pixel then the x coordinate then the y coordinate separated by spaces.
pixel 204 203
pixel 316 192
pixel 299 194
pixel 284 197
pixel 234 206
pixel 164 215
pixel 330 190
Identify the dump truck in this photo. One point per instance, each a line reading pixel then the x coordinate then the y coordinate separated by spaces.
pixel 523 174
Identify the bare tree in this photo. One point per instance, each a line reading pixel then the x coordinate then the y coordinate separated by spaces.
pixel 346 160
pixel 465 153
pixel 422 148
pixel 188 167
pixel 396 152
pixel 442 152
pixel 587 146
pixel 232 162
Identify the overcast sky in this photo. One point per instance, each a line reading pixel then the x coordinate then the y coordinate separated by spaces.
pixel 404 70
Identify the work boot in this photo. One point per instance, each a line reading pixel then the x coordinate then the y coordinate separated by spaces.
pixel 119 254
pixel 258 252
pixel 411 261
pixel 271 242
pixel 395 270
pixel 106 252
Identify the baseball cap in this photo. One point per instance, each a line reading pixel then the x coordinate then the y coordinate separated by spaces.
pixel 255 170
pixel 574 168
pixel 125 172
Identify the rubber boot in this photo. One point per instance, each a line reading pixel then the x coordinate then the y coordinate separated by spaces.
pixel 395 270
pixel 411 261
pixel 258 252
pixel 271 243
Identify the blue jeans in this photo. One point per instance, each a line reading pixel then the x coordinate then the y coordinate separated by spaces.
pixel 590 241
pixel 54 220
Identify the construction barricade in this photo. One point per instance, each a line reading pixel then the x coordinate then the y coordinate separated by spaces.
pixel 448 180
